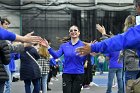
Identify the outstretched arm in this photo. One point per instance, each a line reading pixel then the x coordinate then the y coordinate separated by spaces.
pixel 129 39
pixel 7 35
pixel 28 38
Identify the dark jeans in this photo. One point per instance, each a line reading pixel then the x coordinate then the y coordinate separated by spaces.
pixel 101 67
pixel 36 84
pixel 2 83
pixel 72 83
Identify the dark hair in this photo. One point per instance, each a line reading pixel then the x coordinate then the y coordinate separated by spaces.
pixel 75 26
pixel 3 21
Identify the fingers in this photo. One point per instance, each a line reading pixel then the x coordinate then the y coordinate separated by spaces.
pixel 44 43
pixel 45 40
pixel 103 27
pixel 80 51
pixel 98 27
pixel 35 39
pixel 92 42
pixel 42 40
pixel 29 34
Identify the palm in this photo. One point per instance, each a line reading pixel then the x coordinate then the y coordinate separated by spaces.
pixel 33 39
pixel 44 42
pixel 82 51
pixel 101 29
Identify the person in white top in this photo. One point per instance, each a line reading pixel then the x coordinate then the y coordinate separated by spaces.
pixel 101 60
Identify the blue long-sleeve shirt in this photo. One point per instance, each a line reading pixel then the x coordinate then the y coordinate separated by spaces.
pixel 129 39
pixel 6 35
pixel 73 64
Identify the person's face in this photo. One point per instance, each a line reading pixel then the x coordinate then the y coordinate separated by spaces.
pixel 5 25
pixel 137 9
pixel 74 32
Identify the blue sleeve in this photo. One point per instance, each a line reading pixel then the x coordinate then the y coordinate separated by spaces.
pixel 56 54
pixel 129 39
pixel 6 35
pixel 52 62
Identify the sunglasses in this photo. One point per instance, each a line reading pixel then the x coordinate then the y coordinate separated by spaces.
pixel 71 30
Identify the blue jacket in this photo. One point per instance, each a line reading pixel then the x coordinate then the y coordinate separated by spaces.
pixel 6 35
pixel 52 62
pixel 129 39
pixel 73 64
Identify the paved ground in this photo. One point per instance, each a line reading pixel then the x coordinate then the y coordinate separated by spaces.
pixel 100 80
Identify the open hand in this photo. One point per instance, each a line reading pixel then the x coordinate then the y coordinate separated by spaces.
pixel 101 29
pixel 84 50
pixel 44 43
pixel 32 39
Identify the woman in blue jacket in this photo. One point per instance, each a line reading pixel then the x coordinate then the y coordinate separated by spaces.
pixel 73 66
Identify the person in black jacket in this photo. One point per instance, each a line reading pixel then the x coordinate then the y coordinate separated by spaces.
pixel 29 69
pixel 4 60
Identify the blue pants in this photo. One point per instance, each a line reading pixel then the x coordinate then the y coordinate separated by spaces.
pixel 101 67
pixel 36 84
pixel 44 83
pixel 111 74
pixel 8 82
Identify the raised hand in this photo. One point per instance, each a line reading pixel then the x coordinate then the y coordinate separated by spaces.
pixel 32 39
pixel 44 42
pixel 101 29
